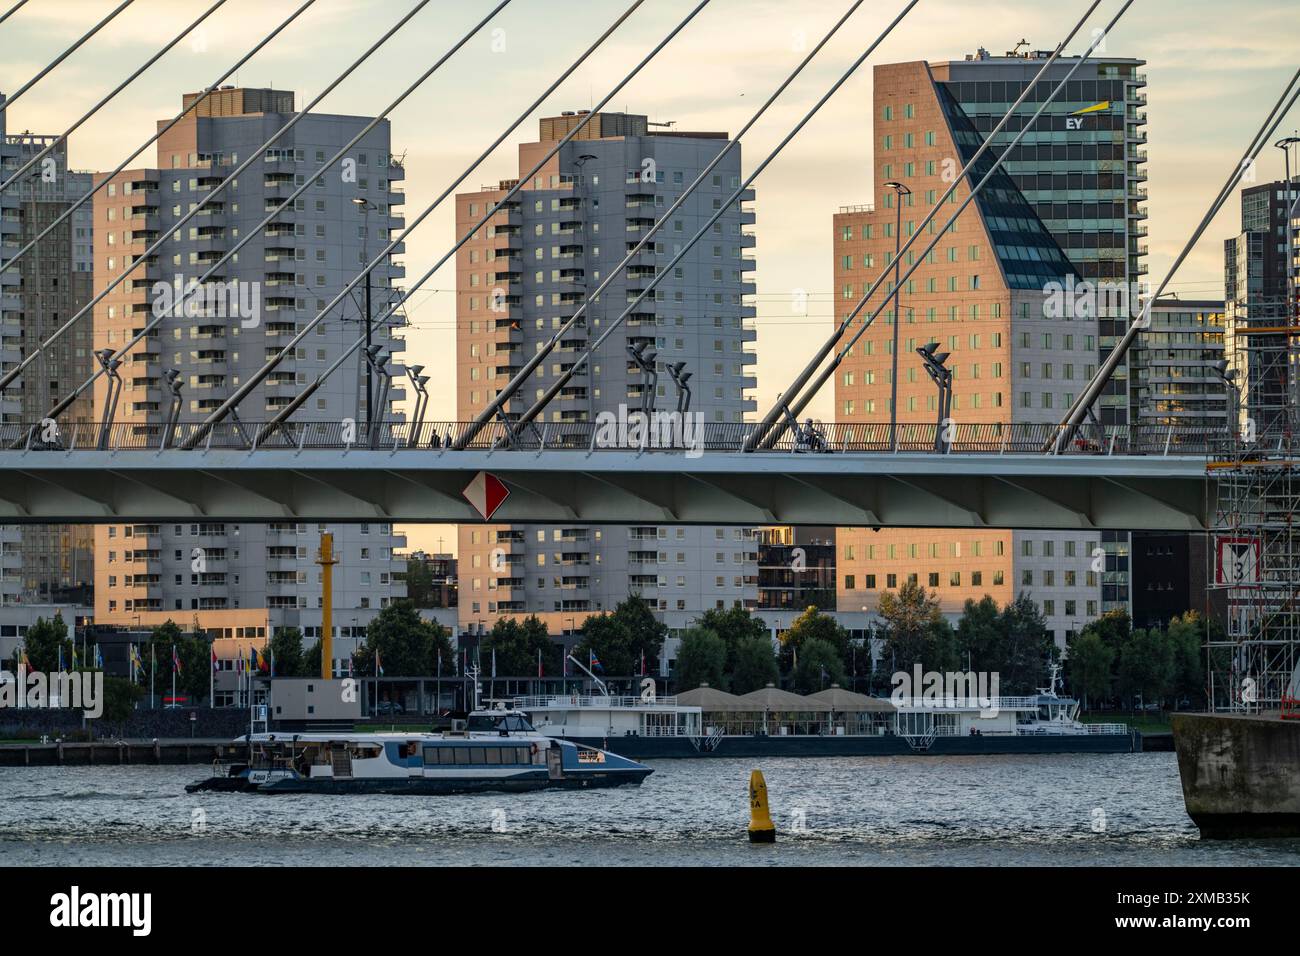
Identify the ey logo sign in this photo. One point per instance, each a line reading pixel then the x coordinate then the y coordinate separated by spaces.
pixel 1075 119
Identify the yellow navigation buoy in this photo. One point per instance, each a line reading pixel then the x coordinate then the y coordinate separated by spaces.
pixel 761 828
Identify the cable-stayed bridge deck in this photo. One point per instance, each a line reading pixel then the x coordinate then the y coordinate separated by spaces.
pixel 986 476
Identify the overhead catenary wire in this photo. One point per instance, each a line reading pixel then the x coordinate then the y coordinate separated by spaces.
pixel 797 397
pixel 1079 409
pixel 256 156
pixel 567 375
pixel 504 395
pixel 583 120
pixel 9 101
pixel 207 91
pixel 63 137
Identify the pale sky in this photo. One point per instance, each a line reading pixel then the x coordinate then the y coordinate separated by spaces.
pixel 1213 70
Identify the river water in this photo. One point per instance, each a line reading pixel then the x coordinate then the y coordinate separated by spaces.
pixel 1094 809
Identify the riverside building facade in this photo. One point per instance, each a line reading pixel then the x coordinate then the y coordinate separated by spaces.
pixel 525 273
pixel 230 577
pixel 995 295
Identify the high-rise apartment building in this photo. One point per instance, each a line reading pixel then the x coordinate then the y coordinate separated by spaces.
pixel 45 564
pixel 1174 377
pixel 525 273
pixel 995 294
pixel 233 576
pixel 1256 342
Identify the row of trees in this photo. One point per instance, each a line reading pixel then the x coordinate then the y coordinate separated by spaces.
pixel 732 650
pixel 1110 662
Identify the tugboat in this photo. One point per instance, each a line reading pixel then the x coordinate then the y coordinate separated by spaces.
pixel 498 751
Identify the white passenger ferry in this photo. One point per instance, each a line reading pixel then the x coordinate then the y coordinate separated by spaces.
pixel 498 750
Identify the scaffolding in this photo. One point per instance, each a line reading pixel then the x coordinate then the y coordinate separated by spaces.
pixel 1255 557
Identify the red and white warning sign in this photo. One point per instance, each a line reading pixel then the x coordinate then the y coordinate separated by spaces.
pixel 486 493
pixel 1238 561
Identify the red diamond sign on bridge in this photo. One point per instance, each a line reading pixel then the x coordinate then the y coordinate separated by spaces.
pixel 486 493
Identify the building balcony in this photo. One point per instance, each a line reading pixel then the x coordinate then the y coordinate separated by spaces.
pixel 146 219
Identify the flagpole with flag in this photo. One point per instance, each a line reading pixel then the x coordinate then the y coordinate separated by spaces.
pixel 153 670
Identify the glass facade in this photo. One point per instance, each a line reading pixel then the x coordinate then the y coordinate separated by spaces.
pixel 1029 255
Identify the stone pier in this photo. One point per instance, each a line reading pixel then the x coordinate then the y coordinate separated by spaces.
pixel 1240 774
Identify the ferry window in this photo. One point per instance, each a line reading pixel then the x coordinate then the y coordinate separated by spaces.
pixel 446 755
pixel 494 755
pixel 476 755
pixel 462 755
pixel 522 755
pixel 431 755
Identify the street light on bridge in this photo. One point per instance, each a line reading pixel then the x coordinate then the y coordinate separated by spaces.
pixel 941 375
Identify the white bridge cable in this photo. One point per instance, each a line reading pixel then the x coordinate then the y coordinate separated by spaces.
pixel 207 91
pixel 1084 402
pixel 65 54
pixel 522 376
pixel 257 155
pixel 302 396
pixel 567 376
pixel 12 10
pixel 797 397
pixel 63 137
